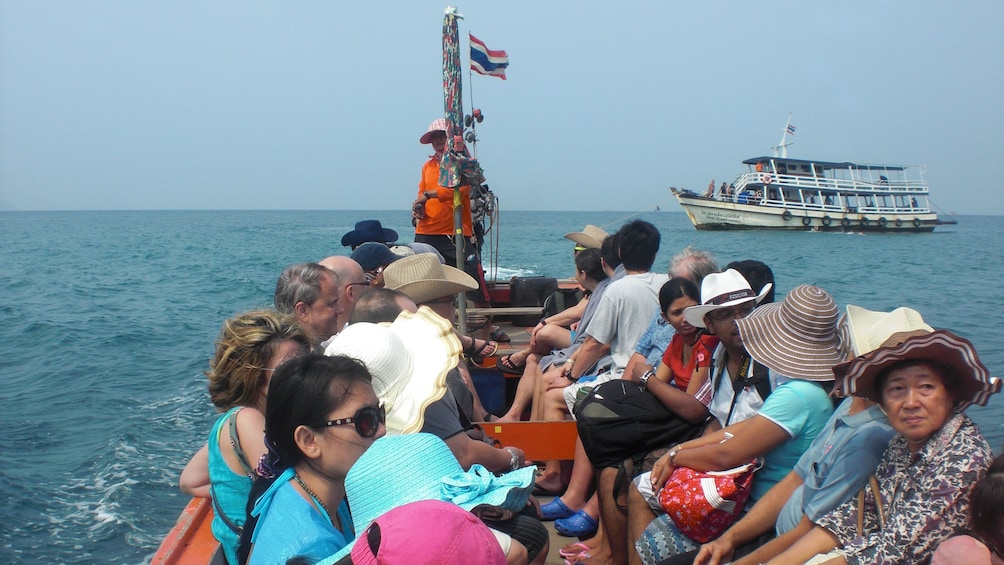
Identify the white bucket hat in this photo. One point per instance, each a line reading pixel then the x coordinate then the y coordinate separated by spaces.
pixel 796 337
pixel 408 360
pixel 591 237
pixel 423 278
pixel 723 290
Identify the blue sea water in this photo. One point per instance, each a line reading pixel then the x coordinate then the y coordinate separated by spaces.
pixel 109 320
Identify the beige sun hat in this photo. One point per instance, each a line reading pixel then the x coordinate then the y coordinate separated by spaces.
pixel 591 237
pixel 868 330
pixel 424 279
pixel 796 337
pixel 408 359
pixel 722 290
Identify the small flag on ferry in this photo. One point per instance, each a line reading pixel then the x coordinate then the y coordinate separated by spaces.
pixel 486 61
pixel 790 129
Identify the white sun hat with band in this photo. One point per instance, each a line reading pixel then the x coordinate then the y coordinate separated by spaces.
pixel 867 330
pixel 797 337
pixel 723 290
pixel 408 360
pixel 591 237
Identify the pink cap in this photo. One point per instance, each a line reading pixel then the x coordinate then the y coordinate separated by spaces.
pixel 403 536
pixel 438 124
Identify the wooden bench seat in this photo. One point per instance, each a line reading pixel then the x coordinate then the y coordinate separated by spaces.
pixel 504 311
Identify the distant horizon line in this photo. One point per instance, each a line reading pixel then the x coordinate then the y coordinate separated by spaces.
pixel 662 211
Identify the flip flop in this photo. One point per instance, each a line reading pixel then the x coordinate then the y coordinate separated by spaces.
pixel 487 350
pixel 578 549
pixel 506 365
pixel 499 335
pixel 578 525
pixel 555 510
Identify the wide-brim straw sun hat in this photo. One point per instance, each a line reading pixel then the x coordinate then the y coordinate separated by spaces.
pixel 369 230
pixel 591 237
pixel 439 124
pixel 396 470
pixel 424 279
pixel 867 330
pixel 408 360
pixel 796 337
pixel 974 385
pixel 723 290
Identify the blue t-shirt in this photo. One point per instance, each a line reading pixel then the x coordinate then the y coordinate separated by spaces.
pixel 655 340
pixel 801 408
pixel 837 464
pixel 291 527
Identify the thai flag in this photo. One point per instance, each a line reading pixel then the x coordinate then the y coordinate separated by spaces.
pixel 485 61
pixel 790 129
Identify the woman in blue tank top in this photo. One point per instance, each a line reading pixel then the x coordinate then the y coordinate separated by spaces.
pixel 249 349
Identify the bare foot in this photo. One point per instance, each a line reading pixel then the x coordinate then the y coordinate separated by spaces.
pixel 549 484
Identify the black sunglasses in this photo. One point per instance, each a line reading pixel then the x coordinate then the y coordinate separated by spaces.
pixel 367 420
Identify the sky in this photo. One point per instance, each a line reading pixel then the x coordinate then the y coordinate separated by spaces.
pixel 125 105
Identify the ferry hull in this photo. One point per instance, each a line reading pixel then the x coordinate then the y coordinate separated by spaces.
pixel 713 215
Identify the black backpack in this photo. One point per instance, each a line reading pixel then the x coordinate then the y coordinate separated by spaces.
pixel 619 420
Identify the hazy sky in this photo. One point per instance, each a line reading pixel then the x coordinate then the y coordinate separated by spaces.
pixel 319 105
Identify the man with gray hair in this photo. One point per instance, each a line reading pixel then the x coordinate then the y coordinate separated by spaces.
pixel 693 264
pixel 309 292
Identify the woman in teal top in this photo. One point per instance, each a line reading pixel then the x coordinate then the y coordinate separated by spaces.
pixel 321 416
pixel 250 347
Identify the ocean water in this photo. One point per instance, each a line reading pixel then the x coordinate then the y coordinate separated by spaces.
pixel 109 320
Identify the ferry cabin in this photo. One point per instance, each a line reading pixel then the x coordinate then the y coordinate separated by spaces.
pixel 841 188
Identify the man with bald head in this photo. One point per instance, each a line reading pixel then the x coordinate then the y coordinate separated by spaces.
pixel 351 283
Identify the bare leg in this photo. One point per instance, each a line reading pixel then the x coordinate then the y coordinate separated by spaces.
pixel 639 517
pixel 554 411
pixel 580 485
pixel 613 518
pixel 524 391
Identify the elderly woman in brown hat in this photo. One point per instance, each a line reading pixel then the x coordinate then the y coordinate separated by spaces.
pixel 923 382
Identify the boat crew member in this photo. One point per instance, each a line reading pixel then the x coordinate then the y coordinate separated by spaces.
pixel 432 210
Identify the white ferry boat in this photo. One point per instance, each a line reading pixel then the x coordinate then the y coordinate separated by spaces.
pixel 797 194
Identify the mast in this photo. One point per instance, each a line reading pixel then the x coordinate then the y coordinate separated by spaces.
pixel 781 149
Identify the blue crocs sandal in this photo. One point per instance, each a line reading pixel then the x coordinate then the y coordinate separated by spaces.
pixel 555 510
pixel 578 525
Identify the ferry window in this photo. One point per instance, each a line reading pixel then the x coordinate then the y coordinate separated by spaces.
pixel 805 168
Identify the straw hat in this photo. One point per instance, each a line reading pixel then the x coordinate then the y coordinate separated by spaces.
pixel 408 359
pixel 372 255
pixel 396 470
pixel 369 230
pixel 424 279
pixel 591 237
pixel 722 290
pixel 439 124
pixel 868 330
pixel 402 536
pixel 974 386
pixel 796 337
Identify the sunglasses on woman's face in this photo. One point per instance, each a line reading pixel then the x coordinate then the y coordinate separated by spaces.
pixel 367 420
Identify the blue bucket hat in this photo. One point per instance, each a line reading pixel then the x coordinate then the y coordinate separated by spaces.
pixel 397 470
pixel 373 255
pixel 369 230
